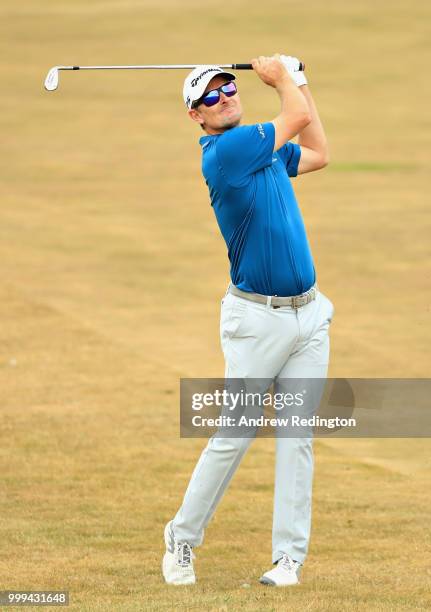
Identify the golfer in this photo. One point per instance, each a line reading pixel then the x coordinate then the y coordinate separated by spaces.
pixel 274 320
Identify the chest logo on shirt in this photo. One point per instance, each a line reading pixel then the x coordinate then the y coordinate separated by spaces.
pixel 274 159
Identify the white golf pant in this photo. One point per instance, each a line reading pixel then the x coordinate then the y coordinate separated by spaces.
pixel 262 342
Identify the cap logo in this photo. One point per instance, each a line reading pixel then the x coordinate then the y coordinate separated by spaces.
pixel 195 81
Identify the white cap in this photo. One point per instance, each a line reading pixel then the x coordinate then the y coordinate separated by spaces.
pixel 196 82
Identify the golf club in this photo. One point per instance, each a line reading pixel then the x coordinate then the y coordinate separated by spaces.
pixel 52 79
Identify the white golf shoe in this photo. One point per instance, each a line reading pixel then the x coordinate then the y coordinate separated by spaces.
pixel 177 563
pixel 284 574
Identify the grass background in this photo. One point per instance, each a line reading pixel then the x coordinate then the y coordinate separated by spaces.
pixel 112 270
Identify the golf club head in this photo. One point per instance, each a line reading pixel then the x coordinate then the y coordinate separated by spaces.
pixel 51 81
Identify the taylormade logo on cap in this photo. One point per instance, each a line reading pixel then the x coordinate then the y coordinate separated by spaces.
pixel 196 82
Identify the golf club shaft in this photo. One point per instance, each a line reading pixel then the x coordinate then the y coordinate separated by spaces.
pixel 52 79
pixel 160 67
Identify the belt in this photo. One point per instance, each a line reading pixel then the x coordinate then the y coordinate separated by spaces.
pixel 295 301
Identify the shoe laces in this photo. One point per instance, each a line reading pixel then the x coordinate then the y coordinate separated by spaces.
pixel 185 554
pixel 288 563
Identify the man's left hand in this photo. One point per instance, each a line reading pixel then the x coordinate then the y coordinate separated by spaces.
pixel 292 66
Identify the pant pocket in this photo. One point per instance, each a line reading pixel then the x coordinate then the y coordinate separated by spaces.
pixel 233 313
pixel 329 306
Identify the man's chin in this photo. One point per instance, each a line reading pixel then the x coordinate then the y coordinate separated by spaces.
pixel 231 122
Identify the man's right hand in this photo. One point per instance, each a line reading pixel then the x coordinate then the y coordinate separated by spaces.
pixel 271 70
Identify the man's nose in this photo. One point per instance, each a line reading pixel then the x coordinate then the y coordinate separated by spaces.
pixel 223 97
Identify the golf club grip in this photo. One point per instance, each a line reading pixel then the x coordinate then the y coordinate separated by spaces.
pixel 250 67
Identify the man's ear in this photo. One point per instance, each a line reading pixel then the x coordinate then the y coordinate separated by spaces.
pixel 195 115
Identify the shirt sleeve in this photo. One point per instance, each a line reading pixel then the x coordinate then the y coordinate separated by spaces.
pixel 290 153
pixel 244 150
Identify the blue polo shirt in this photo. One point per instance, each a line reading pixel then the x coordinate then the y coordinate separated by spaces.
pixel 257 211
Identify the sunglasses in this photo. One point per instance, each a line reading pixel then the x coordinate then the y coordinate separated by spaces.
pixel 211 98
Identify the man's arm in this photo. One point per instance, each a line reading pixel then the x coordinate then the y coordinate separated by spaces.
pixel 312 139
pixel 295 114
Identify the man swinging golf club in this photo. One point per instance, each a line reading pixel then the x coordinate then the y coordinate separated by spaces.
pixel 274 320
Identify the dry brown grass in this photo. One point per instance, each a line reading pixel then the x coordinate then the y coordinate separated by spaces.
pixel 112 270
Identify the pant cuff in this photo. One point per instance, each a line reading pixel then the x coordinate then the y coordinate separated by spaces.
pixel 276 556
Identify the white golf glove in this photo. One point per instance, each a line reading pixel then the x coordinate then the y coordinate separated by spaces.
pixel 292 66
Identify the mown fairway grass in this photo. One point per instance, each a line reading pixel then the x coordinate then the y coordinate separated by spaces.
pixel 112 270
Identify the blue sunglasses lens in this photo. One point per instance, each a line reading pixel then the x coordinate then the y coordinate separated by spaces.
pixel 211 98
pixel 229 89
